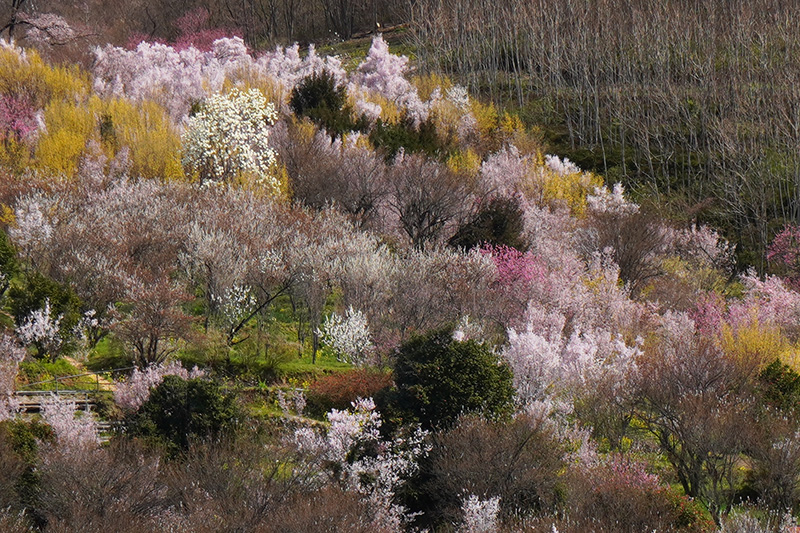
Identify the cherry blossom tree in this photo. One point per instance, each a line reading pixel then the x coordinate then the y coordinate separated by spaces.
pixel 71 430
pixel 129 395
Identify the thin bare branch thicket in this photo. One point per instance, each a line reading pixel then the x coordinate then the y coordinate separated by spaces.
pixel 685 100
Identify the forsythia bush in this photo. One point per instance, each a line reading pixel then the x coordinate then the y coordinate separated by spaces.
pixel 24 73
pixel 229 140
pixel 69 126
pixel 143 129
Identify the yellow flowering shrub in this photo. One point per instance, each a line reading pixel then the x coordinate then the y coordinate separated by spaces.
pixel 570 189
pixel 428 83
pixel 465 163
pixel 26 74
pixel 755 345
pixel 143 129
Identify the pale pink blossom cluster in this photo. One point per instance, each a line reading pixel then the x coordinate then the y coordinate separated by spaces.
pixel 288 67
pixel 153 71
pixel 70 430
pixel 33 228
pixel 767 301
pixel 503 172
pixel 131 394
pixel 550 362
pixel 385 74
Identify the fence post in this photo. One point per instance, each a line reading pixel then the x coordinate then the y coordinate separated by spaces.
pixel 56 380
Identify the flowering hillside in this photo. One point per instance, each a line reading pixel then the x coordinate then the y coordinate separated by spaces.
pixel 522 346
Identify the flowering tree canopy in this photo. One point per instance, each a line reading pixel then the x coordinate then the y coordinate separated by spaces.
pixel 229 138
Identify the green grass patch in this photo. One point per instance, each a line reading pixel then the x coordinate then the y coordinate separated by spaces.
pixel 108 355
pixel 41 375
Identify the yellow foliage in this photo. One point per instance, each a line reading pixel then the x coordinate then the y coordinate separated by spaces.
pixel 465 163
pixel 569 189
pixel 59 149
pixel 15 155
pixel 486 117
pixel 143 129
pixel 428 83
pixel 511 130
pixel 247 78
pixel 754 346
pixel 26 74
pixel 7 217
pixel 390 113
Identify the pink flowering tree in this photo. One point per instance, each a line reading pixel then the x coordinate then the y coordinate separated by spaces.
pixel 18 120
pixel 385 73
pixel 784 252
pixel 72 429
pixel 129 395
pixel 196 32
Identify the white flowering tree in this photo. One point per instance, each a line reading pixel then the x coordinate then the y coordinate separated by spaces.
pixel 348 336
pixel 229 138
pixel 41 330
pixel 353 454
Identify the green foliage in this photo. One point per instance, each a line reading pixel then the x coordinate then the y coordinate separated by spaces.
pixel 325 103
pixel 391 137
pixel 499 222
pixel 780 386
pixel 25 437
pixel 42 370
pixel 438 379
pixel 180 410
pixel 19 451
pixel 8 262
pixel 32 293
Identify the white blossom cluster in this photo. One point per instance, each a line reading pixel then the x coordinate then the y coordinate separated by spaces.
pixel 42 330
pixel 563 167
pixel 611 202
pixel 236 303
pixel 229 138
pixel 480 516
pixel 375 476
pixel 348 336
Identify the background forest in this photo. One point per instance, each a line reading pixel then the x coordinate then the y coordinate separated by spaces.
pixel 503 267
